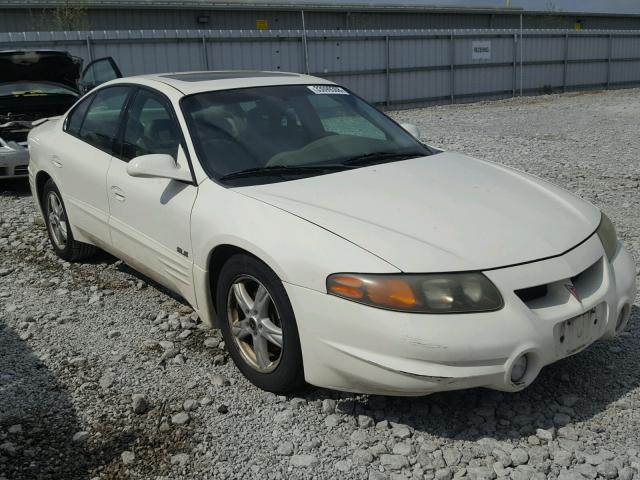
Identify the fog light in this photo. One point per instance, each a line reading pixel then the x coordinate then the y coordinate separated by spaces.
pixel 519 369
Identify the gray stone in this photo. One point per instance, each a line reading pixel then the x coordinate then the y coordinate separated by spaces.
pixel 180 459
pixel 546 435
pixel 81 437
pixel 443 474
pixel 502 457
pixel 562 457
pixel 394 462
pixel 127 457
pixel 285 448
pixel 523 472
pixel 113 334
pixel 402 448
pixel 139 403
pixel 190 405
pixel 586 470
pixel 328 405
pixel 607 470
pixel 365 421
pixel 569 400
pixel 401 432
pixel 570 475
pixel 285 416
pixel 561 419
pixel 538 455
pixel 519 456
pixel 218 381
pixel 359 436
pixel 303 460
pixel 15 429
pixel 626 473
pixel 181 418
pixel 362 457
pixel 375 475
pixel 343 465
pixel 451 456
pixel 332 420
pixel 481 473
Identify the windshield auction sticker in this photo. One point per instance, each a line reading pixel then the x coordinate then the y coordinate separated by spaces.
pixel 327 90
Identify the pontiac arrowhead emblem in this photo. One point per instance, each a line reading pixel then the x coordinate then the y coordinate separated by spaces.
pixel 573 291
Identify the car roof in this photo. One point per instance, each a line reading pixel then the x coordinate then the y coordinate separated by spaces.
pixel 195 82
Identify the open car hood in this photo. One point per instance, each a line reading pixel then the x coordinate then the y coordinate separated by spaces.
pixel 40 65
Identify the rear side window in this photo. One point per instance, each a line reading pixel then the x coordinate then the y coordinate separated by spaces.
pixel 75 118
pixel 102 119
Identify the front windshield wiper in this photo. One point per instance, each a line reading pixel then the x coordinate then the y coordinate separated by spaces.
pixel 379 157
pixel 284 169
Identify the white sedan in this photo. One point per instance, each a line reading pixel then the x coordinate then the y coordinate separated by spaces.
pixel 328 243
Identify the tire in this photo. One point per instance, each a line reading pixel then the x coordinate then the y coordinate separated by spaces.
pixel 59 228
pixel 274 368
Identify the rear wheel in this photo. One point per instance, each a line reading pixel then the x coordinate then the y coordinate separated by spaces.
pixel 258 325
pixel 58 227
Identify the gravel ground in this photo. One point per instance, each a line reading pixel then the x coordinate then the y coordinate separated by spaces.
pixel 104 375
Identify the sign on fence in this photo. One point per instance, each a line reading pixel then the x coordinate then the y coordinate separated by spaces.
pixel 481 50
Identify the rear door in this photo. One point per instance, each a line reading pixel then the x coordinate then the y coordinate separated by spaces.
pixel 150 218
pixel 83 157
pixel 98 72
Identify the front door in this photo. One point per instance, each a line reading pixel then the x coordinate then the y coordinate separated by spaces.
pixel 150 217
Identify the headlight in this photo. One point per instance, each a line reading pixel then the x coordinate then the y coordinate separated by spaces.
pixel 417 293
pixel 607 234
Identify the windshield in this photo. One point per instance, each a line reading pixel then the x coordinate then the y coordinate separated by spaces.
pixel 21 89
pixel 269 134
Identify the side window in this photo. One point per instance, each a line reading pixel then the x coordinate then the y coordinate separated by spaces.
pixel 338 117
pixel 98 72
pixel 101 122
pixel 150 127
pixel 75 118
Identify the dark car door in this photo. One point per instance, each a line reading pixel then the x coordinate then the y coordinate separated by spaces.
pixel 98 72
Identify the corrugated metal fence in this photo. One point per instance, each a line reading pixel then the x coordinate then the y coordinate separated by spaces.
pixel 390 68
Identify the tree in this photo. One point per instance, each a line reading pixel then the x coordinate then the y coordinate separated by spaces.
pixel 70 15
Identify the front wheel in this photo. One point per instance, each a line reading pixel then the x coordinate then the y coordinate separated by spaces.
pixel 258 325
pixel 58 227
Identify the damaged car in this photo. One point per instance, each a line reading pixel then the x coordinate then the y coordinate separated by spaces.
pixel 36 85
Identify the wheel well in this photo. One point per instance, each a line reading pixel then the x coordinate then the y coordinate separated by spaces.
pixel 41 179
pixel 217 259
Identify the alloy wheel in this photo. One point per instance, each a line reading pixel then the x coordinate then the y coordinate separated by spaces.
pixel 57 220
pixel 255 324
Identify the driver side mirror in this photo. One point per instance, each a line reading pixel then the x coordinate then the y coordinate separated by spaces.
pixel 158 165
pixel 411 129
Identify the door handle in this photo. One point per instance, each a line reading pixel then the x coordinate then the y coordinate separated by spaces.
pixel 118 193
pixel 56 161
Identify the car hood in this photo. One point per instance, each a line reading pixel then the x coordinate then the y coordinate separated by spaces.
pixel 445 212
pixel 40 65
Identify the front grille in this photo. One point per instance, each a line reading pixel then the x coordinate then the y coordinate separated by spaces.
pixel 532 293
pixel 4 171
pixel 15 135
pixel 586 284
pixel 21 170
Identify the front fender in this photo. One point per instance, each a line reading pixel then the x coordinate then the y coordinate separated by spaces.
pixel 298 251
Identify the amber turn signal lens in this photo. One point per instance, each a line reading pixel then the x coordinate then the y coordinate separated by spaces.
pixel 344 286
pixel 392 293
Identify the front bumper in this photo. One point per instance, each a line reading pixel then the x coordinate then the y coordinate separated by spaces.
pixel 14 159
pixel 352 347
